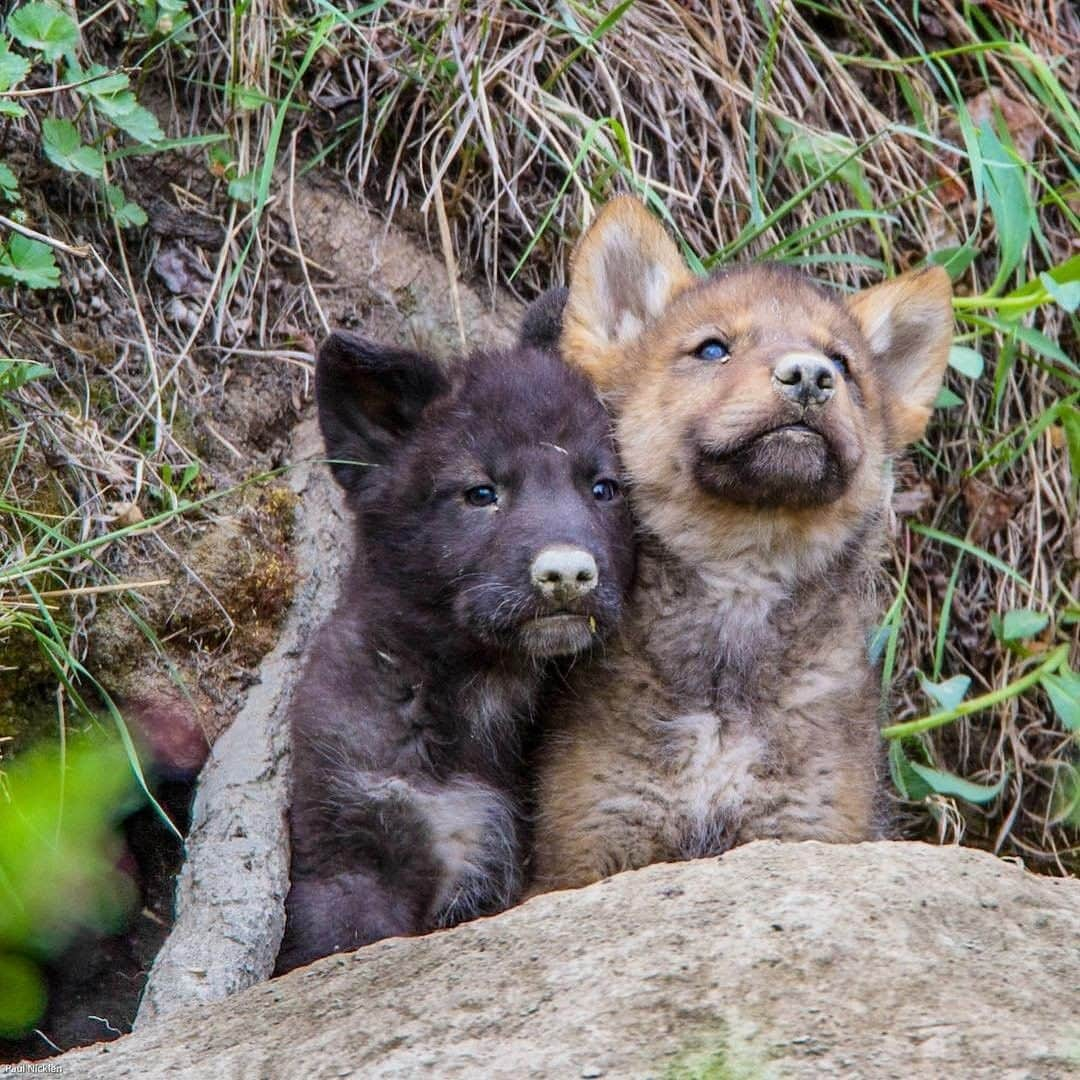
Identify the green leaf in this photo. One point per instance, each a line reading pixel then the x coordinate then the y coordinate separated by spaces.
pixel 110 94
pixel 818 154
pixel 1070 421
pixel 64 148
pixel 955 260
pixel 28 262
pixel 1063 689
pixel 908 782
pixel 166 18
pixel 126 214
pixel 165 144
pixel 1005 184
pixel 13 67
pixel 44 28
pixel 244 188
pixel 103 82
pixel 946 399
pixel 9 184
pixel 879 638
pixel 1031 292
pixel 967 361
pixel 1019 624
pixel 248 98
pixel 191 471
pixel 1067 293
pixel 15 373
pixel 944 783
pixel 128 115
pixel 58 846
pixel 1040 343
pixel 11 108
pixel 947 694
pixel 1067 803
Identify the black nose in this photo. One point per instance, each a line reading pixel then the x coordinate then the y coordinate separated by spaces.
pixel 563 572
pixel 806 379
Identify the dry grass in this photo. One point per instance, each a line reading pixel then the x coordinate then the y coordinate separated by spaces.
pixel 830 136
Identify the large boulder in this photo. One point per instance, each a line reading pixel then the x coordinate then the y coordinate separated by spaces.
pixel 875 960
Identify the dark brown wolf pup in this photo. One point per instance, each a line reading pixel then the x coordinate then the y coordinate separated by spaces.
pixel 756 414
pixel 491 536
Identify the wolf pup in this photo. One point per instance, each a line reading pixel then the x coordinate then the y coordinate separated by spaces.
pixel 491 536
pixel 755 414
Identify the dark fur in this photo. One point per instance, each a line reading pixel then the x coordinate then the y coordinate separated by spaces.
pixel 541 327
pixel 407 724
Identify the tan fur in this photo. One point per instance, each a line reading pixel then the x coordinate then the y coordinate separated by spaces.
pixel 738 702
pixel 631 249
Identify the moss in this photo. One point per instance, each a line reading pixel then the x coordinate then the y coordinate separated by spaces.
pixel 102 396
pixel 719 1061
pixel 405 300
pixel 276 506
pixel 184 430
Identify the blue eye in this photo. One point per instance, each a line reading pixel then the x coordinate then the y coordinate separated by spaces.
pixel 605 490
pixel 712 351
pixel 481 495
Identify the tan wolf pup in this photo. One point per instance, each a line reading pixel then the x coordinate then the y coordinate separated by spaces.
pixel 756 414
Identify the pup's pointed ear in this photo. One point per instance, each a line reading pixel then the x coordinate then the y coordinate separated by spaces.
pixel 624 272
pixel 541 326
pixel 908 324
pixel 370 398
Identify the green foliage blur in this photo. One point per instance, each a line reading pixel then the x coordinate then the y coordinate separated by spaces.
pixel 59 848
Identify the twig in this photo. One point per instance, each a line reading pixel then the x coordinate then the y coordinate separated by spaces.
pixel 82 253
pixel 42 91
pixel 984 701
pixel 292 356
pixel 451 262
pixel 296 236
pixel 89 590
pixel 151 359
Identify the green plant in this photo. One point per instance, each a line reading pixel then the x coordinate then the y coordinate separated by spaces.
pixel 59 847
pixel 170 493
pixel 107 113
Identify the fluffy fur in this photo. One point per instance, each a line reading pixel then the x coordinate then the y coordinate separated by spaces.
pixel 407 724
pixel 756 414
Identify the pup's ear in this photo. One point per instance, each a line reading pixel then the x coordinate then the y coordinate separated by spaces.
pixel 370 398
pixel 541 326
pixel 908 324
pixel 624 272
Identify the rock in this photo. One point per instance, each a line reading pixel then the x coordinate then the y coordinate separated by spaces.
pixel 874 960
